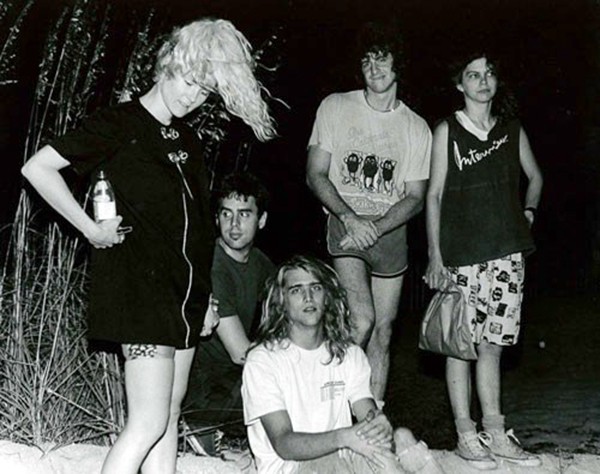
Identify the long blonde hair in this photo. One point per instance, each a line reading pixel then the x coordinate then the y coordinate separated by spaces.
pixel 217 47
pixel 337 325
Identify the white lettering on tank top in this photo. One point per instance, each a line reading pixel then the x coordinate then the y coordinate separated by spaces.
pixel 473 156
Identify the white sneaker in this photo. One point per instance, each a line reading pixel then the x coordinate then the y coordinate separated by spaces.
pixel 471 449
pixel 505 445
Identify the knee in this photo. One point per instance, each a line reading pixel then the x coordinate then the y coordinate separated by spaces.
pixel 403 439
pixel 149 429
pixel 382 334
pixel 489 350
pixel 363 328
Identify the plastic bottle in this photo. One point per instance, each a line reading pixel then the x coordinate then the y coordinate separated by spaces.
pixel 103 197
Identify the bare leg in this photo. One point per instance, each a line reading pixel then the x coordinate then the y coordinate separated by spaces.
pixel 148 386
pixel 162 458
pixel 458 381
pixel 355 278
pixel 386 297
pixel 488 378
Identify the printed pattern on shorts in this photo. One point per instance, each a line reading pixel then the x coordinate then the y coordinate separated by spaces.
pixel 494 292
pixel 135 351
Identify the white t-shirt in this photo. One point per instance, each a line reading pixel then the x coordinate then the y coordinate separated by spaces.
pixel 316 396
pixel 373 154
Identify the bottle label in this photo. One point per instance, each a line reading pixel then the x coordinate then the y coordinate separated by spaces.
pixel 104 210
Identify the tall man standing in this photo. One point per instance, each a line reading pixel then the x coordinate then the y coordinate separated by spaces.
pixel 368 163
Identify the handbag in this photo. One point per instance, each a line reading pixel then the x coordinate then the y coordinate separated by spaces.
pixel 445 328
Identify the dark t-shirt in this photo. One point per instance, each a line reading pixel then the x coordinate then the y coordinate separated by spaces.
pixel 482 216
pixel 238 287
pixel 214 385
pixel 154 287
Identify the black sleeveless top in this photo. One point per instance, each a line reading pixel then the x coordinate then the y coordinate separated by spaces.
pixel 482 216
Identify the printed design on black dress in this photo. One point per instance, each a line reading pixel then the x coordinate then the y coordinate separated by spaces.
pixel 472 157
pixel 178 157
pixel 369 172
pixel 135 351
pixel 169 133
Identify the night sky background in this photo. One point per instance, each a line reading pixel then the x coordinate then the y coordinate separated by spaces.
pixel 551 57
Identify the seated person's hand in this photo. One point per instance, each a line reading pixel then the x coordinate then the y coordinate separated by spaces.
pixel 361 445
pixel 211 318
pixel 375 429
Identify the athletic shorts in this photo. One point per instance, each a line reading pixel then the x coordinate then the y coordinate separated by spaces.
pixel 494 292
pixel 386 259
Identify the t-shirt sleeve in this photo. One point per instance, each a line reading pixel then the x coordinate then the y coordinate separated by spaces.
pixel 261 391
pixel 323 128
pixel 96 140
pixel 359 379
pixel 420 155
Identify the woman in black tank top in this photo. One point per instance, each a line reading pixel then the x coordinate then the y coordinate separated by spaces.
pixel 478 232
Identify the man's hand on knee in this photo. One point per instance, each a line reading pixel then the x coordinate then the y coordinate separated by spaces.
pixel 375 429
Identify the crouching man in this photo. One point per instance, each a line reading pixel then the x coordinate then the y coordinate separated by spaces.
pixel 305 377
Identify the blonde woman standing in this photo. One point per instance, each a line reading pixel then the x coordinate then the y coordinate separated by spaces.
pixel 150 288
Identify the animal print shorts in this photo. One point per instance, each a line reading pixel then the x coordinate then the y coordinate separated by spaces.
pixel 494 292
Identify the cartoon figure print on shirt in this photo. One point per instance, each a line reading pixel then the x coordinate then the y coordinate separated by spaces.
pixel 369 172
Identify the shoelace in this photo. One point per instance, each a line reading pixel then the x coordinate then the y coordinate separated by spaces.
pixel 509 436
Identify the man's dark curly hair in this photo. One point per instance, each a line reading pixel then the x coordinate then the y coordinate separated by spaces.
pixel 376 37
pixel 242 185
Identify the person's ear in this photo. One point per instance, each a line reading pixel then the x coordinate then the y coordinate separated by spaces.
pixel 460 87
pixel 262 221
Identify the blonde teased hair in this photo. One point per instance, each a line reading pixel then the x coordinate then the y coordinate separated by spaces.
pixel 216 46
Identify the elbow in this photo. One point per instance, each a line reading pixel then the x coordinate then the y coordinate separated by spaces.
pixel 283 451
pixel 26 170
pixel 310 181
pixel 418 204
pixel 238 355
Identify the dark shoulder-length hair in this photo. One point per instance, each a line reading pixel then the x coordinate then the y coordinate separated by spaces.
pixel 504 106
pixel 337 326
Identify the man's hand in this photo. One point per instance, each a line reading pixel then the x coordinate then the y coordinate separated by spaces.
pixel 362 446
pixel 211 318
pixel 375 429
pixel 361 233
pixel 105 234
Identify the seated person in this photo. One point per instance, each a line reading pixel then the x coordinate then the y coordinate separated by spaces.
pixel 239 271
pixel 303 379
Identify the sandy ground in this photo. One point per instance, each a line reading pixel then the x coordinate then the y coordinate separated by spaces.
pixel 78 459
pixel 551 397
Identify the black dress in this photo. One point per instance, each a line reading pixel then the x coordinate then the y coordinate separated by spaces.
pixel 154 287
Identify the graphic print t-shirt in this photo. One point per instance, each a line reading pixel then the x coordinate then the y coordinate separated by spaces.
pixel 373 154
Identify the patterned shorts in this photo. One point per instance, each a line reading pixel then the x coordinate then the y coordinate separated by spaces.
pixel 494 292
